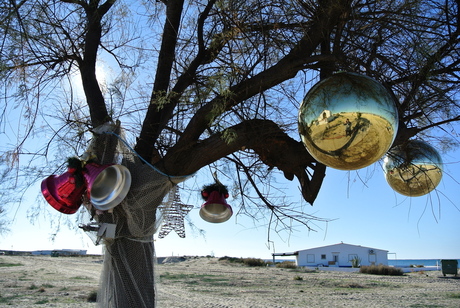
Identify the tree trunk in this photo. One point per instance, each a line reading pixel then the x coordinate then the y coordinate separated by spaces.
pixel 129 279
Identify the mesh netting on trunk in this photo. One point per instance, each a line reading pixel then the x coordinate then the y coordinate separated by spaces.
pixel 128 278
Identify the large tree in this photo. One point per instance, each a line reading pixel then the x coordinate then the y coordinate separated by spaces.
pixel 202 82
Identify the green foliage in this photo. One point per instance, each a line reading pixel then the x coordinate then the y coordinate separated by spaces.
pixel 231 259
pixel 352 285
pixel 168 275
pixel 76 164
pixel 297 277
pixel 355 262
pixel 229 135
pixel 92 297
pixel 7 299
pixel 244 261
pixel 219 187
pixel 32 287
pixel 381 270
pixel 81 277
pixel 9 264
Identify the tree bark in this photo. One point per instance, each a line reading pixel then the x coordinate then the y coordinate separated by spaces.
pixel 87 65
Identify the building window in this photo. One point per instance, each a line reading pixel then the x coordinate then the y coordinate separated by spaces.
pixel 310 258
pixel 372 259
pixel 323 257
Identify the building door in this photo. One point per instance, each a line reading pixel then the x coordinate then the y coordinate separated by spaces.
pixel 335 258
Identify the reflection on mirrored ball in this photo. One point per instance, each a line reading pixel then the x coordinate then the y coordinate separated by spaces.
pixel 348 121
pixel 413 169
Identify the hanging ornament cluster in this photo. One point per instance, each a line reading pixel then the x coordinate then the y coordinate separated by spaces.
pixel 413 169
pixel 105 186
pixel 215 209
pixel 348 121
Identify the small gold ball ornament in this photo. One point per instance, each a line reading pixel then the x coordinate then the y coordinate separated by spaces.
pixel 413 169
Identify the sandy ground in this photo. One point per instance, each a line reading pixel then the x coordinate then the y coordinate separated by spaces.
pixel 43 281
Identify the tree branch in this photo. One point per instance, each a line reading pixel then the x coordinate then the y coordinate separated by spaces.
pixel 273 146
pixel 285 69
pixel 95 99
pixel 157 115
pixel 157 118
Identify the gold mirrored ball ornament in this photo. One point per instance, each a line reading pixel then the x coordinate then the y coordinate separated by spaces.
pixel 413 169
pixel 348 121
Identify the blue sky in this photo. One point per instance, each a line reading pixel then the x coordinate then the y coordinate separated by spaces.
pixel 364 209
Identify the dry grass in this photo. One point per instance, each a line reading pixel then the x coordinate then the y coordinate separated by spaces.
pixel 381 270
pixel 209 283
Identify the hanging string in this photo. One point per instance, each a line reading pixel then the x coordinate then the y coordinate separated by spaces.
pixel 145 161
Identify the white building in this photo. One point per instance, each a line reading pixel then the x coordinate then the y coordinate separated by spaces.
pixel 60 252
pixel 324 118
pixel 338 255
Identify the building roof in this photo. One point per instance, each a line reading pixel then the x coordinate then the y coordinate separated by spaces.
pixel 340 244
pixel 283 254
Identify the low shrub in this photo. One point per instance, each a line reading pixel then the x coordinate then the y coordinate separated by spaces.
pixel 92 297
pixel 352 285
pixel 245 261
pixel 286 264
pixel 381 270
pixel 231 259
pixel 254 262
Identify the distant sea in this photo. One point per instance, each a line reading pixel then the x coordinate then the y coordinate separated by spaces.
pixel 415 262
